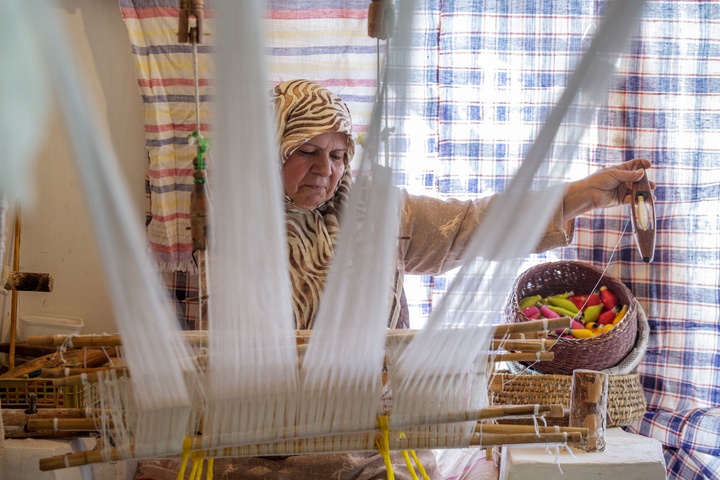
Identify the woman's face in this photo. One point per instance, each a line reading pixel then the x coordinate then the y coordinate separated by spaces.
pixel 312 172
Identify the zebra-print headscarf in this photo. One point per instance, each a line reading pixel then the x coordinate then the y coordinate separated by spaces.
pixel 302 111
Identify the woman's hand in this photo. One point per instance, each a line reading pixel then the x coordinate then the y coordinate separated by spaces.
pixel 608 187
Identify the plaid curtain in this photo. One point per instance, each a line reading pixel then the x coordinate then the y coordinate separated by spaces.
pixel 493 69
pixel 485 76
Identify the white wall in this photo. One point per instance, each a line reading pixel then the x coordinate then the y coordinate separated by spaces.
pixel 56 235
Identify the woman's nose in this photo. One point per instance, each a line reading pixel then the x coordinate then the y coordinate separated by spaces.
pixel 322 165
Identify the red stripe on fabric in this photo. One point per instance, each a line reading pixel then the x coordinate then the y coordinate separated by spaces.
pixel 316 13
pixel 167 127
pixel 177 247
pixel 170 172
pixel 348 82
pixel 173 82
pixel 167 218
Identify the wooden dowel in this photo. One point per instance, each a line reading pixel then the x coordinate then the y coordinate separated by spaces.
pixel 494 439
pixel 519 331
pixel 300 447
pixel 77 341
pixel 532 326
pixel 522 357
pixel 15 421
pixel 14 293
pixel 78 459
pixel 499 411
pixel 79 422
pixel 525 335
pixel 91 377
pixel 89 358
pixel 72 371
pixel 22 348
pixel 509 428
pixel 66 424
pixel 538 345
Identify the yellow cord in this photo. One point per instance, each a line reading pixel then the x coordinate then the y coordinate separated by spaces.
pixel 186 450
pixel 410 468
pixel 198 461
pixel 210 465
pixel 424 474
pixel 383 445
pixel 406 455
pixel 194 469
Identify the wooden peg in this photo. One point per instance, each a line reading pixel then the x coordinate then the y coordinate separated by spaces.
pixel 188 9
pixel 199 210
pixel 588 407
pixel 381 18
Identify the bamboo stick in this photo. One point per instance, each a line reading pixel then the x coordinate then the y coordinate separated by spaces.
pixel 78 459
pixel 91 377
pixel 73 371
pixel 303 336
pixel 76 420
pixel 15 421
pixel 297 446
pixel 537 345
pixel 80 422
pixel 495 439
pixel 14 294
pixel 554 411
pixel 525 335
pixel 522 357
pixel 66 424
pixel 508 428
pixel 77 341
pixel 71 376
pixel 532 326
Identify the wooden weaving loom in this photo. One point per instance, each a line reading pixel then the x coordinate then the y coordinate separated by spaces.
pixel 516 342
pixel 511 342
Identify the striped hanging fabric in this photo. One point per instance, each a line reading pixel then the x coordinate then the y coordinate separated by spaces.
pixel 164 71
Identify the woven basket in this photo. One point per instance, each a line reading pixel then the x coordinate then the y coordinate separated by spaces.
pixel 597 353
pixel 626 401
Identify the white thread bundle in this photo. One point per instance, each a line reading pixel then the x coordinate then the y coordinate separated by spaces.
pixel 252 371
pixel 144 318
pixel 343 364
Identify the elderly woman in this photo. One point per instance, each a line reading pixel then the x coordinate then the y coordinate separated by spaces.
pixel 316 145
pixel 314 129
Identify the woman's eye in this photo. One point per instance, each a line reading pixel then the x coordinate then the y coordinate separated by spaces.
pixel 337 158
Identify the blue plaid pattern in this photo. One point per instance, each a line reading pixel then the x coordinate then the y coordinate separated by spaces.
pixel 500 65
